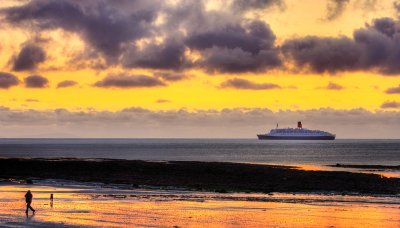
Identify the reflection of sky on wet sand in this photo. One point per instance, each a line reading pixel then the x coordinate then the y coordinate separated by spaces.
pixel 94 206
pixel 382 172
pixel 313 167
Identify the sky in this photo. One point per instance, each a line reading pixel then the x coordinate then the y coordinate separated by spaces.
pixel 199 69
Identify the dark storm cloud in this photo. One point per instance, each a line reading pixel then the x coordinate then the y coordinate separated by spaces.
pixel 376 48
pixel 125 33
pixel 29 57
pixel 225 42
pixel 171 76
pixel 393 90
pixel 194 18
pixel 386 26
pixel 66 83
pixel 129 81
pixel 251 38
pixel 168 55
pixel 238 83
pixel 238 61
pixel 243 5
pixel 332 86
pixel 36 81
pixel 335 8
pixel 323 54
pixel 7 80
pixel 236 49
pixel 101 24
pixel 390 104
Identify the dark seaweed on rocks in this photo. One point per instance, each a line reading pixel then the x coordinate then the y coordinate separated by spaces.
pixel 210 176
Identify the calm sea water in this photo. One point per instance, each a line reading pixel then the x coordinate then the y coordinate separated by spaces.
pixel 380 152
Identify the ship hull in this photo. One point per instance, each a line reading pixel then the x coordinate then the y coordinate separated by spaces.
pixel 269 137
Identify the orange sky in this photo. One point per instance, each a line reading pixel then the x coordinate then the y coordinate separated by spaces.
pixel 296 87
pixel 201 90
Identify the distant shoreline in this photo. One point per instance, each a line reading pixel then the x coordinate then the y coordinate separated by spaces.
pixel 174 138
pixel 203 176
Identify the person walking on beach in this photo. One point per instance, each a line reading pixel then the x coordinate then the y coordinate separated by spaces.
pixel 51 200
pixel 28 200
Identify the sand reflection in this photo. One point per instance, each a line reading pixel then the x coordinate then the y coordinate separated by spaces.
pixel 94 206
pixel 385 173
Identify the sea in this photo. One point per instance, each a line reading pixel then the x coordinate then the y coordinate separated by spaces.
pixel 296 153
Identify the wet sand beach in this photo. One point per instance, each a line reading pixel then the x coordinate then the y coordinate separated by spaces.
pixel 80 205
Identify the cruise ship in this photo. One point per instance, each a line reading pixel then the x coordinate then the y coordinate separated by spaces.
pixel 298 133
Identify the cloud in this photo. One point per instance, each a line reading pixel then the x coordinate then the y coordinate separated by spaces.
pixel 375 48
pixel 225 123
pixel 36 81
pixel 245 5
pixel 171 76
pixel 238 83
pixel 321 55
pixel 129 81
pixel 396 6
pixel 236 48
pixel 222 41
pixel 252 38
pixel 332 86
pixel 101 24
pixel 393 90
pixel 386 26
pixel 169 55
pixel 66 83
pixel 7 80
pixel 236 61
pixel 158 34
pixel 335 8
pixel 390 104
pixel 28 58
pixel 117 29
pixel 368 5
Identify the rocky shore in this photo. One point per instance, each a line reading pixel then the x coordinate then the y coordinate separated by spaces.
pixel 207 176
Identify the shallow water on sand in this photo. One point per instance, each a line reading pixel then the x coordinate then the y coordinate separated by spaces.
pixel 96 205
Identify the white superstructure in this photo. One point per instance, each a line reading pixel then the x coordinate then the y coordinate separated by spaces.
pixel 298 133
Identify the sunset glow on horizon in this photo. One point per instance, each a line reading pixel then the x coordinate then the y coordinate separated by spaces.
pixel 164 57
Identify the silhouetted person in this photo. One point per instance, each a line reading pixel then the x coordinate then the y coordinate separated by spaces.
pixel 28 200
pixel 51 200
